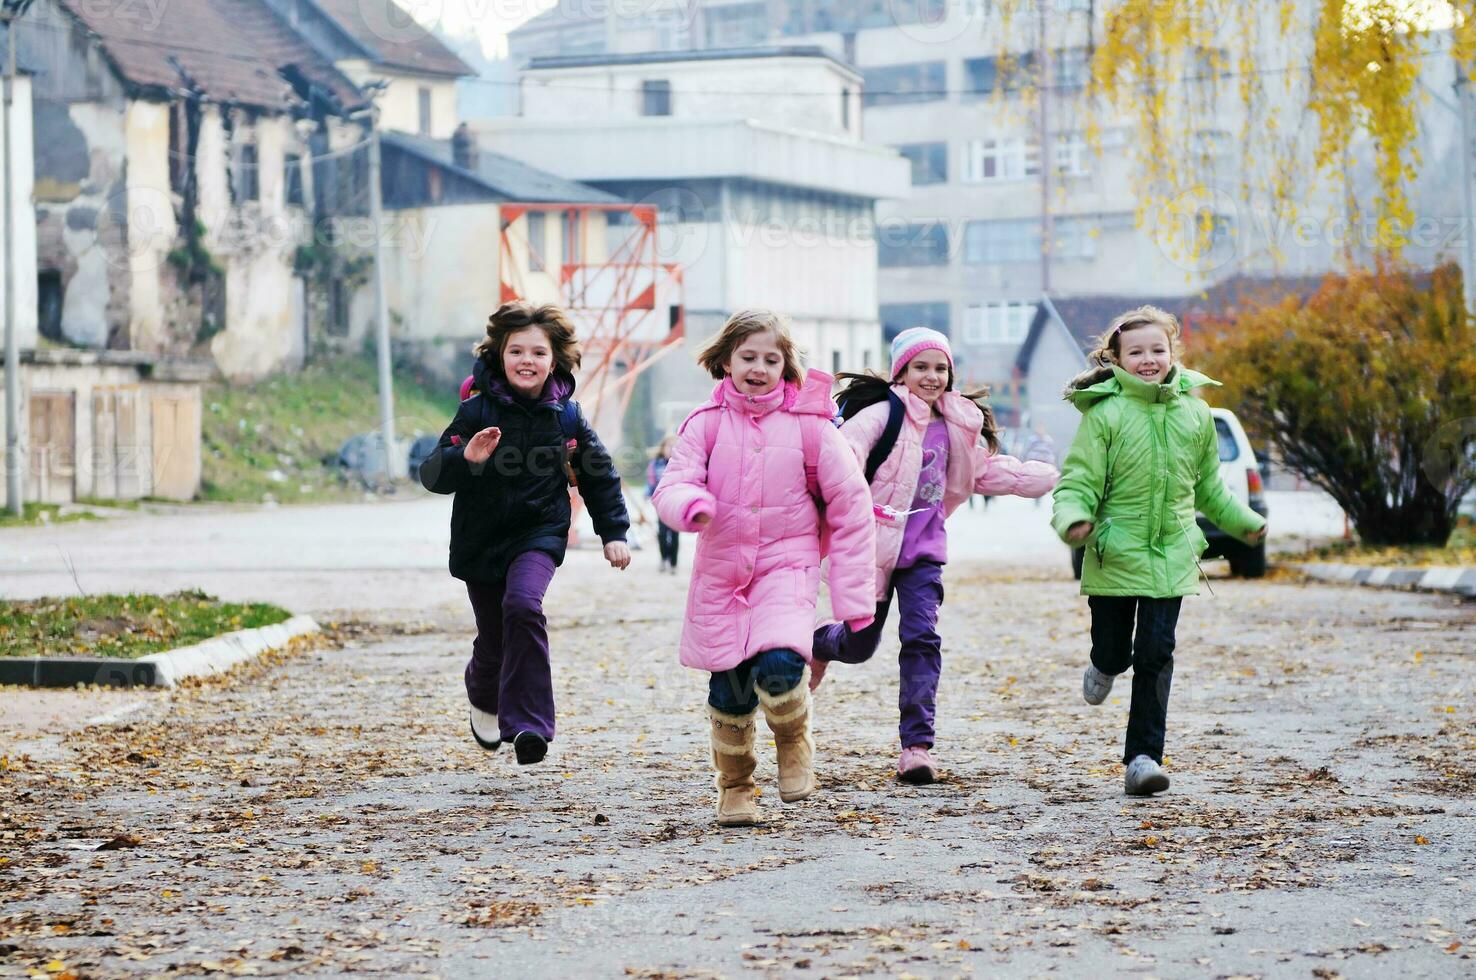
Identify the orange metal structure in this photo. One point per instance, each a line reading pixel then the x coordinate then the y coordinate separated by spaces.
pixel 628 308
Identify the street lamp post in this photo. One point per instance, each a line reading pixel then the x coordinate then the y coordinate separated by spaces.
pixel 381 302
pixel 1468 274
pixel 10 10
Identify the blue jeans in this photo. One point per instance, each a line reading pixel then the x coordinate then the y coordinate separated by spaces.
pixel 735 691
pixel 1151 656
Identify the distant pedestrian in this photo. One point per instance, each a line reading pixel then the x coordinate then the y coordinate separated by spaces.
pixel 517 443
pixel 767 482
pixel 1144 459
pixel 928 448
pixel 668 539
pixel 1041 449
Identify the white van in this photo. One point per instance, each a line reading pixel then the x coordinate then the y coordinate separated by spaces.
pixel 1242 473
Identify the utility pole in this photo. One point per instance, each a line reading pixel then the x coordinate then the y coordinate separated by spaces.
pixel 381 303
pixel 10 10
pixel 1046 156
pixel 1468 216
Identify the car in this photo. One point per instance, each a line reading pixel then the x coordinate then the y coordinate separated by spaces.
pixel 1245 474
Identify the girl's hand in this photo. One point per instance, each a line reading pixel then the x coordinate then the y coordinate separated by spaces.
pixel 479 449
pixel 1256 537
pixel 702 520
pixel 617 553
pixel 1078 532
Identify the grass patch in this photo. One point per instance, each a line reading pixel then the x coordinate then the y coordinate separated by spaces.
pixel 40 515
pixel 1459 551
pixel 278 439
pixel 123 626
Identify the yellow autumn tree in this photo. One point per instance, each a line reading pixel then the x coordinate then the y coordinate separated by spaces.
pixel 1367 389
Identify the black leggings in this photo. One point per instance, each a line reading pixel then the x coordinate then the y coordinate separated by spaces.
pixel 1150 655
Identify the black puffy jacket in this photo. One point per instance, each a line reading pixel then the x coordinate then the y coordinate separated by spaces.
pixel 518 500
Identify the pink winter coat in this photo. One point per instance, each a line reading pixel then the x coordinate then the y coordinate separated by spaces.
pixel 971 468
pixel 757 571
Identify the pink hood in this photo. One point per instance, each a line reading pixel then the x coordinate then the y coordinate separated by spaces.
pixel 756 574
pixel 971 468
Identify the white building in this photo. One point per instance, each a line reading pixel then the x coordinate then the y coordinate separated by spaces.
pixel 963 252
pixel 766 192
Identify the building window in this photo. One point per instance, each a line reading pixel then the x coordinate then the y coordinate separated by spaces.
pixel 897 317
pixel 929 162
pixel 1073 158
pixel 997 323
pixel 292 179
pixel 900 246
pixel 1070 68
pixel 425 111
pixel 1001 241
pixel 180 160
pixel 245 182
pixel 983 75
pixel 904 84
pixel 1074 238
pixel 846 109
pixel 537 240
pixel 655 97
pixel 835 363
pixel 737 25
pixel 999 160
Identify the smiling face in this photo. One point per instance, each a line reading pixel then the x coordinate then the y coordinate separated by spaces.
pixel 926 375
pixel 1145 352
pixel 527 359
pixel 757 364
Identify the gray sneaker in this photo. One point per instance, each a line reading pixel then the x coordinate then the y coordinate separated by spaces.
pixel 1095 685
pixel 1144 777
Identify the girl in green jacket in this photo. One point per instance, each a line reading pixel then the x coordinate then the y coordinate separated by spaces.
pixel 1145 458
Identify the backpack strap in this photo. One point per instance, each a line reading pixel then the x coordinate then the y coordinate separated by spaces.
pixel 569 428
pixel 888 440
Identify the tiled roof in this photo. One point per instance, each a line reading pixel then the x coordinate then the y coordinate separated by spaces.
pixel 384 28
pixel 232 51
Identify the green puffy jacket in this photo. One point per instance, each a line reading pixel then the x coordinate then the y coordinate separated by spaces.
pixel 1144 459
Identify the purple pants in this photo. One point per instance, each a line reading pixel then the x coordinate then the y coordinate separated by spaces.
pixel 919 591
pixel 509 673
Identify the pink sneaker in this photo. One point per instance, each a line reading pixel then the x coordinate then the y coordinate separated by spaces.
pixel 916 766
pixel 818 668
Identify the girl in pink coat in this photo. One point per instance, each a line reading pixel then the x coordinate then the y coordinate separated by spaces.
pixel 761 474
pixel 937 462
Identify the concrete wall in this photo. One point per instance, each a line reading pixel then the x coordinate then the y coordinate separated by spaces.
pixel 23 217
pixel 800 92
pixel 399 105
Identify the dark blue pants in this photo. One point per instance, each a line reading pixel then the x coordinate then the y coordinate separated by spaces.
pixel 509 672
pixel 1151 656
pixel 735 691
pixel 668 541
pixel 919 591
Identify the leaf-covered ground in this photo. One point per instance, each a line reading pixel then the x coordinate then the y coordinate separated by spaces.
pixel 326 812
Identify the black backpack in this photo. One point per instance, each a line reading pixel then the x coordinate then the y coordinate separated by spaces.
pixel 851 406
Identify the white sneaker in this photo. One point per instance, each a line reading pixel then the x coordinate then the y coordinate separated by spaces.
pixel 485 729
pixel 1144 777
pixel 1095 685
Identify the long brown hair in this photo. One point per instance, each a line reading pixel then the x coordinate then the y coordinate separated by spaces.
pixel 520 315
pixel 868 388
pixel 742 325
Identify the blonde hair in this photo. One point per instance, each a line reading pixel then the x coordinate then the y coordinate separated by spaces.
pixel 1109 346
pixel 518 315
pixel 665 447
pixel 742 325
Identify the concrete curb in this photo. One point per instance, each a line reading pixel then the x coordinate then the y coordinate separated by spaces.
pixel 1456 581
pixel 213 656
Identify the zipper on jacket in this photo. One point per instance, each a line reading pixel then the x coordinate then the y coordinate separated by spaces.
pixel 1185 531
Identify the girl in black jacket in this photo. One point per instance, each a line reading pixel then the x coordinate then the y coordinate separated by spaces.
pixel 510 456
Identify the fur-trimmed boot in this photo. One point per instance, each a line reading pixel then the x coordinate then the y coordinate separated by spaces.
pixel 788 715
pixel 734 758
